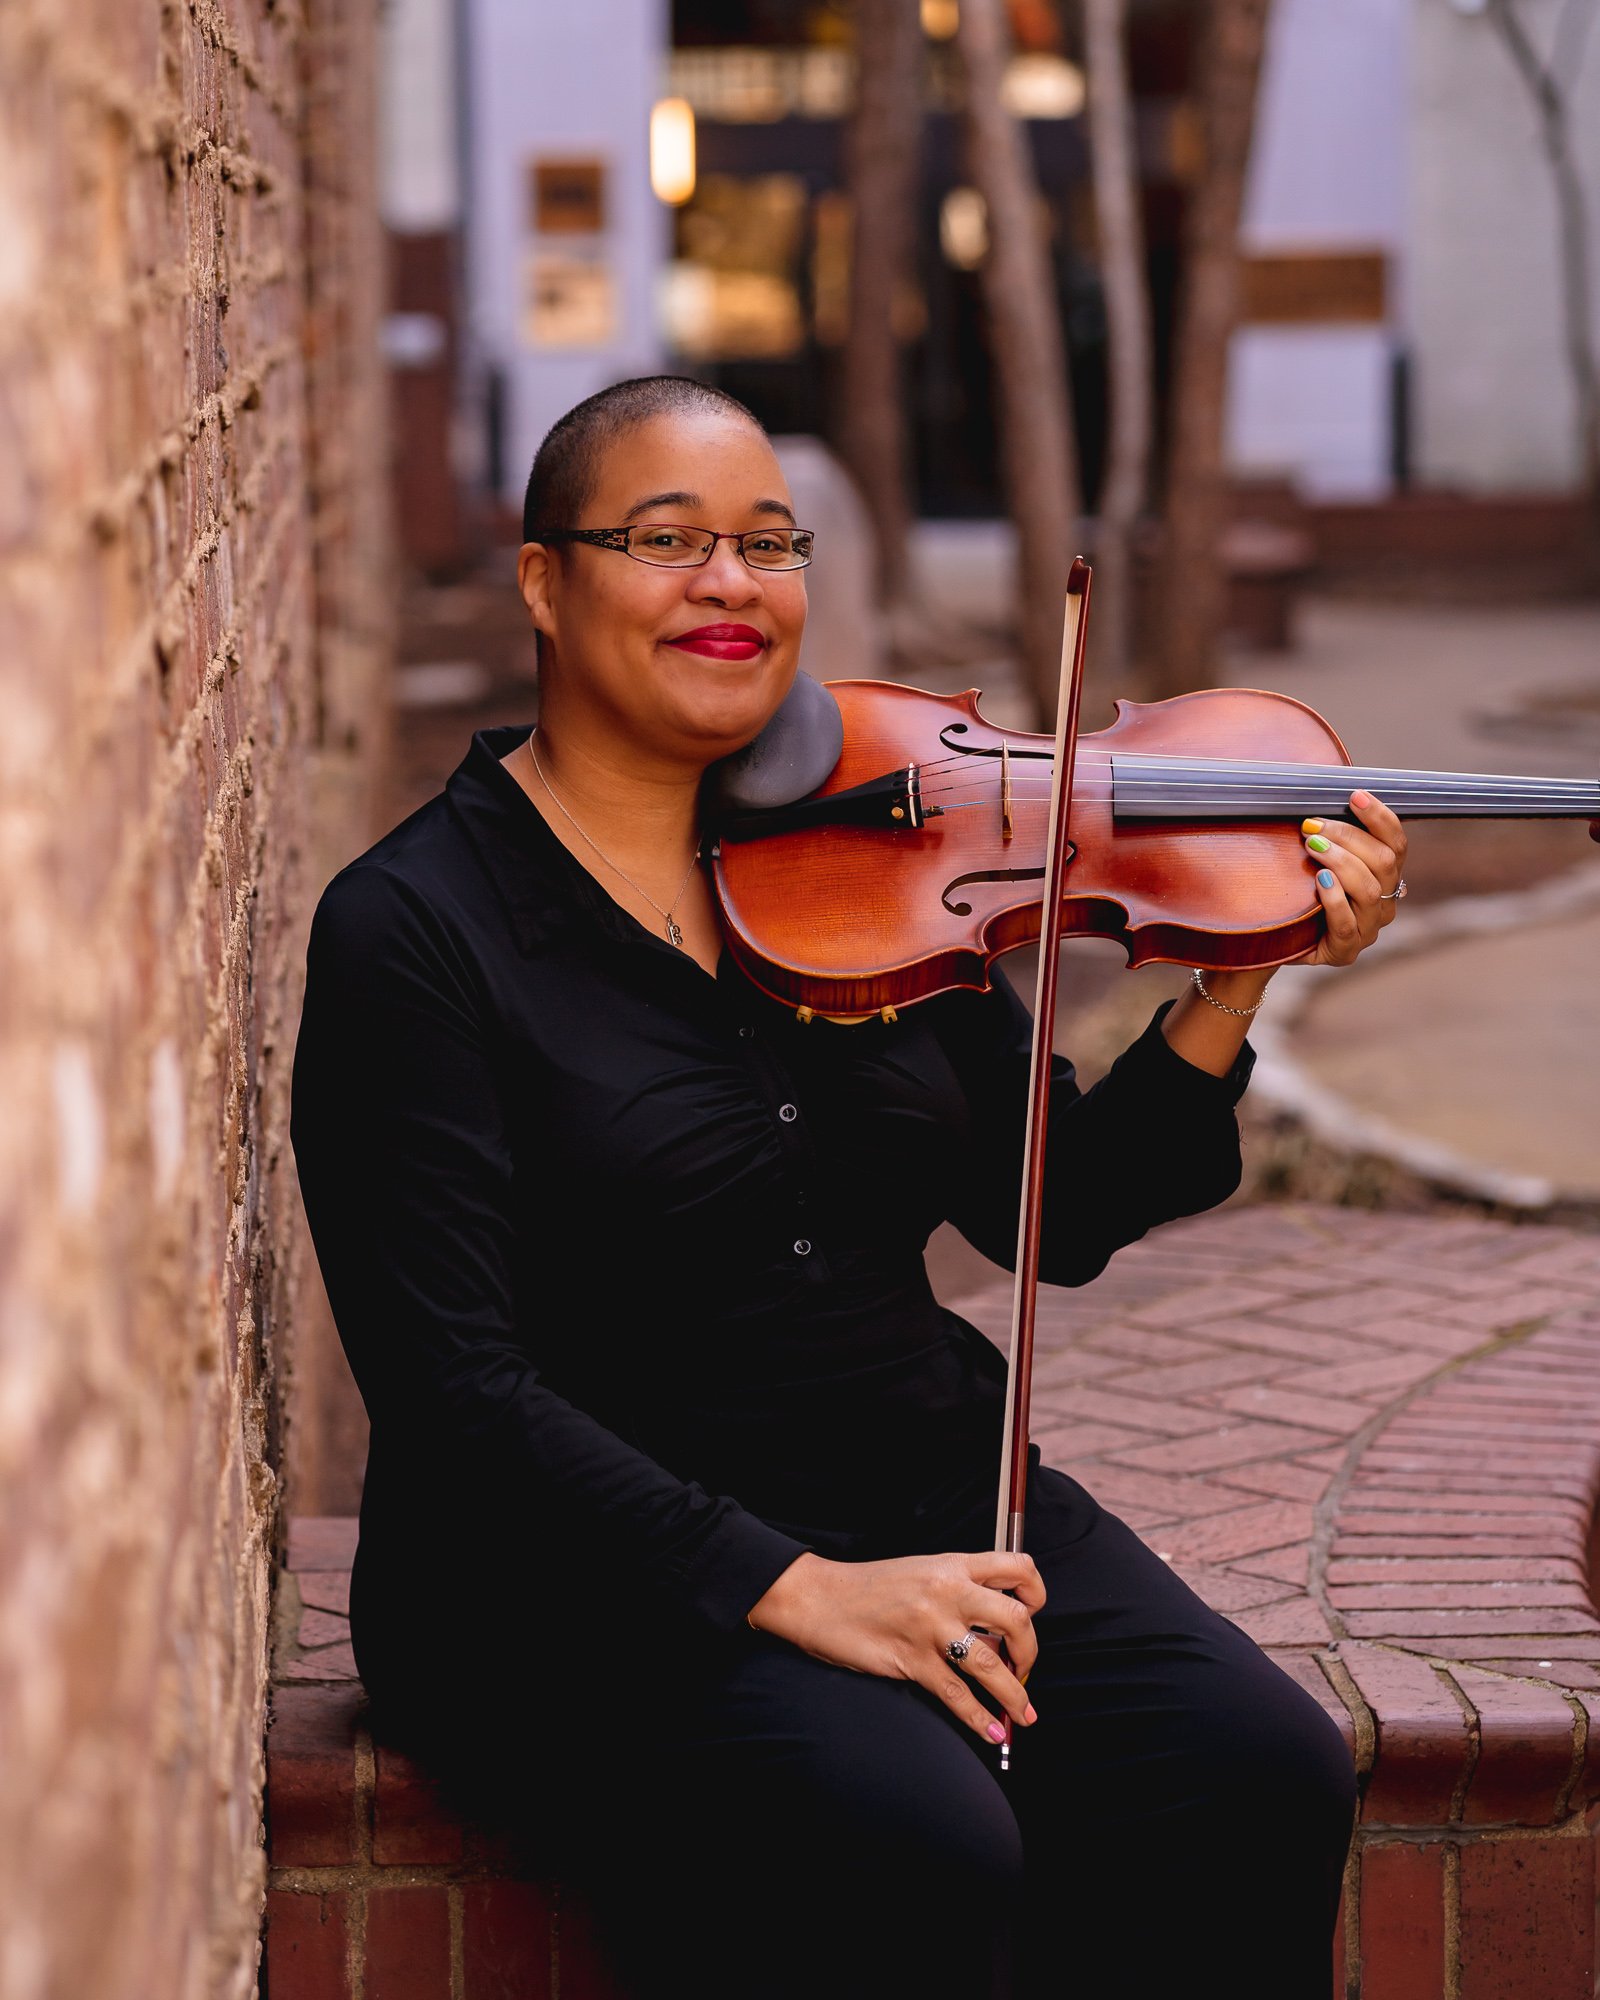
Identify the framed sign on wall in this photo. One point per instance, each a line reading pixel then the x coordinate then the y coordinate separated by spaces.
pixel 569 300
pixel 567 197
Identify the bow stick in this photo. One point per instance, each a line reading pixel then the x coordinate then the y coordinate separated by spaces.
pixel 1019 1371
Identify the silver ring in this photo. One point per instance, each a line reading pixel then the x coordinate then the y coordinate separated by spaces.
pixel 958 1649
pixel 1396 893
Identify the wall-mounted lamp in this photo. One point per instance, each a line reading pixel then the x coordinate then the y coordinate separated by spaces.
pixel 672 150
pixel 1043 86
pixel 964 228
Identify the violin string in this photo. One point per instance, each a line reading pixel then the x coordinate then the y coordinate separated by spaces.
pixel 1177 805
pixel 1572 796
pixel 1577 796
pixel 979 759
pixel 1575 793
pixel 1147 771
pixel 1195 791
pixel 1402 784
pixel 1179 808
pixel 1156 785
pixel 1143 770
pixel 1160 806
pixel 1304 802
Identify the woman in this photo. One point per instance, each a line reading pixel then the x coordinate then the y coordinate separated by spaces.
pixel 671 1446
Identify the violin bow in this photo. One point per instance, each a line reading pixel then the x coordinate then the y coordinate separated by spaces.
pixel 1009 1519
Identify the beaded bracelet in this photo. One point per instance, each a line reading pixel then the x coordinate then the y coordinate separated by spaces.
pixel 1221 1006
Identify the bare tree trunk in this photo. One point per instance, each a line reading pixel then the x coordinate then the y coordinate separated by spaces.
pixel 1193 586
pixel 1551 104
pixel 881 153
pixel 1037 447
pixel 1122 269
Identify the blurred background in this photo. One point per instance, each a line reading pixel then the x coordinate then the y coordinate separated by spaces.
pixel 1285 314
pixel 1275 295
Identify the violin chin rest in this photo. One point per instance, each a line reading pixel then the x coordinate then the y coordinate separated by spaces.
pixel 787 761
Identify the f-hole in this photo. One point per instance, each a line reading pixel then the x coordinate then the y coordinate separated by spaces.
pixel 992 875
pixel 986 749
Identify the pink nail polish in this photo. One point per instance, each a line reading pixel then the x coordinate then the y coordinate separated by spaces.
pixel 1030 1713
pixel 997 1732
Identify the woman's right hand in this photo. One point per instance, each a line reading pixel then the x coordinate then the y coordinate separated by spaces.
pixel 895 1618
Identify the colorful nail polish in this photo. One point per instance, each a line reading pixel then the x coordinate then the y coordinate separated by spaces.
pixel 1030 1713
pixel 997 1732
pixel 1318 844
pixel 1324 878
pixel 1311 826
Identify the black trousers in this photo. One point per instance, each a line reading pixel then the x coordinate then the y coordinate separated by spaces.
pixel 761 1823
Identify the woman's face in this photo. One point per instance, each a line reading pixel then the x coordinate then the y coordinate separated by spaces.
pixel 617 627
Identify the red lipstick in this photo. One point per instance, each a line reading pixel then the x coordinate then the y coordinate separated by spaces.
pixel 721 642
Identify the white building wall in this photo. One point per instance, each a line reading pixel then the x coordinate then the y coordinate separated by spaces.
pixel 1312 401
pixel 419 180
pixel 1327 172
pixel 1494 404
pixel 577 79
pixel 1328 164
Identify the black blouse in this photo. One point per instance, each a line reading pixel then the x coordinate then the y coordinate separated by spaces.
pixel 628 1261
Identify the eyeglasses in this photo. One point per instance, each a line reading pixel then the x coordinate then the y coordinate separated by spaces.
pixel 671 545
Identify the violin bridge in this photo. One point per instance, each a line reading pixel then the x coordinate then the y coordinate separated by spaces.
pixel 1005 791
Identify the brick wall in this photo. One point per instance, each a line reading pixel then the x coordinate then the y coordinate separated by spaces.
pixel 193 635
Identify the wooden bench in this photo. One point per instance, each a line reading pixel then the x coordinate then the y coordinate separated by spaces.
pixel 1372 1441
pixel 1266 563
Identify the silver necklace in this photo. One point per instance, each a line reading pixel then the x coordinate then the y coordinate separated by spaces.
pixel 673 933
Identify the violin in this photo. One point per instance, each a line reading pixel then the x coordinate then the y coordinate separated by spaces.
pixel 921 857
pixel 888 845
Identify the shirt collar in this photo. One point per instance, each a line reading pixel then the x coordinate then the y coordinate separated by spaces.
pixel 543 886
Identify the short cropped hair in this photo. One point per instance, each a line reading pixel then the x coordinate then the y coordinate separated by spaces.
pixel 567 464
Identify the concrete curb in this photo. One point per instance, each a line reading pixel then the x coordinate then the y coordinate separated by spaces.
pixel 1282 1082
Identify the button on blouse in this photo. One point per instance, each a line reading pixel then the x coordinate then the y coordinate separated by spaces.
pixel 554 1199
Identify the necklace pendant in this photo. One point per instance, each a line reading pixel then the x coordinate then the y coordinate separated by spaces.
pixel 674 934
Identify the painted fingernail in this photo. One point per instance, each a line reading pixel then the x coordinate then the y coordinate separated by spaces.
pixel 1361 798
pixel 1311 826
pixel 997 1732
pixel 1324 878
pixel 1030 1713
pixel 1318 844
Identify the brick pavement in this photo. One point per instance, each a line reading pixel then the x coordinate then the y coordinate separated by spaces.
pixel 1341 1426
pixel 1373 1441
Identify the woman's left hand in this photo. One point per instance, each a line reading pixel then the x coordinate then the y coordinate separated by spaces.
pixel 1358 871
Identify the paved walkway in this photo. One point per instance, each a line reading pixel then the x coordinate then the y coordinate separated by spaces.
pixel 1484 1047
pixel 1479 1044
pixel 1343 1427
